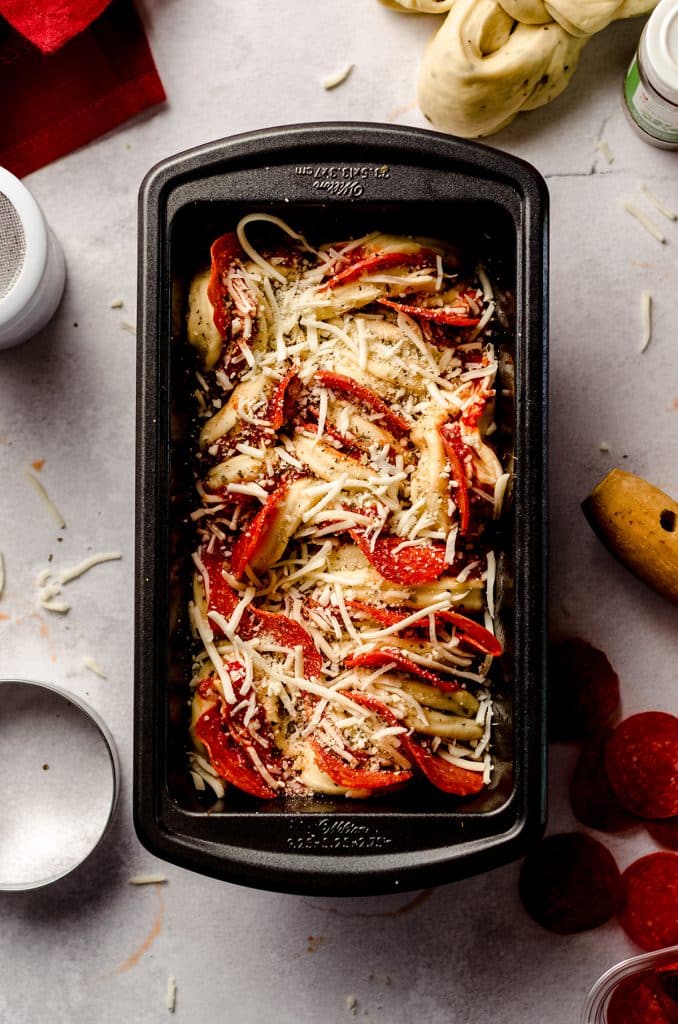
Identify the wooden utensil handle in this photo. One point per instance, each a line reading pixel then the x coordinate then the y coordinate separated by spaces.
pixel 638 524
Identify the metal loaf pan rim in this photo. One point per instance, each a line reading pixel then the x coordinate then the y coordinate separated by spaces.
pixel 162 826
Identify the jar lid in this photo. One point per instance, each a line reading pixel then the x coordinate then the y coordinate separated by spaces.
pixel 661 49
pixel 32 270
pixel 25 230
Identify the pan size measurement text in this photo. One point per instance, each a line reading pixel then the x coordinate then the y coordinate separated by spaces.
pixel 342 179
pixel 327 834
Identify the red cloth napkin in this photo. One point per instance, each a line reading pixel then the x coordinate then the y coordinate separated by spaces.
pixel 55 102
pixel 51 23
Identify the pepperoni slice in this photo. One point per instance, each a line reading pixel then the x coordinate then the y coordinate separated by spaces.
pixel 649 915
pixel 397 424
pixel 591 796
pixel 473 633
pixel 279 409
pixel 408 566
pixel 642 764
pixel 468 630
pixel 641 1000
pixel 257 532
pixel 384 616
pixel 222 597
pixel 439 314
pixel 583 689
pixel 449 778
pixel 374 262
pixel 664 832
pixel 455 450
pixel 256 621
pixel 570 883
pixel 228 756
pixel 224 252
pixel 354 778
pixel 289 633
pixel 387 655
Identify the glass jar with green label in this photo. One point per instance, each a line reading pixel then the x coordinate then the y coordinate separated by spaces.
pixel 651 83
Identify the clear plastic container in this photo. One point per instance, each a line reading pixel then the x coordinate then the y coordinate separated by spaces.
pixel 595 1008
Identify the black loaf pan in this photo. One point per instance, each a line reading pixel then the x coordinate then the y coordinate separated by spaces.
pixel 333 181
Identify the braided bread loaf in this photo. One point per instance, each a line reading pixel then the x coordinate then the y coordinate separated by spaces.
pixel 490 60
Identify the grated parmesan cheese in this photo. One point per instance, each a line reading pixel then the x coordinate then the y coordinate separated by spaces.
pixel 363 346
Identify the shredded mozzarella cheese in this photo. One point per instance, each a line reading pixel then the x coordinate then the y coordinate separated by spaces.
pixel 646 312
pixel 657 203
pixel 49 504
pixel 644 221
pixel 337 77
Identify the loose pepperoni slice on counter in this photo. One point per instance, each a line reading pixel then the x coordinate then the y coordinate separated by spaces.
pixel 649 915
pixel 570 883
pixel 664 832
pixel 642 764
pixel 641 1000
pixel 591 796
pixel 583 689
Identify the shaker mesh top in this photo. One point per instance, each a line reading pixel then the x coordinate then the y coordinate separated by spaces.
pixel 12 246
